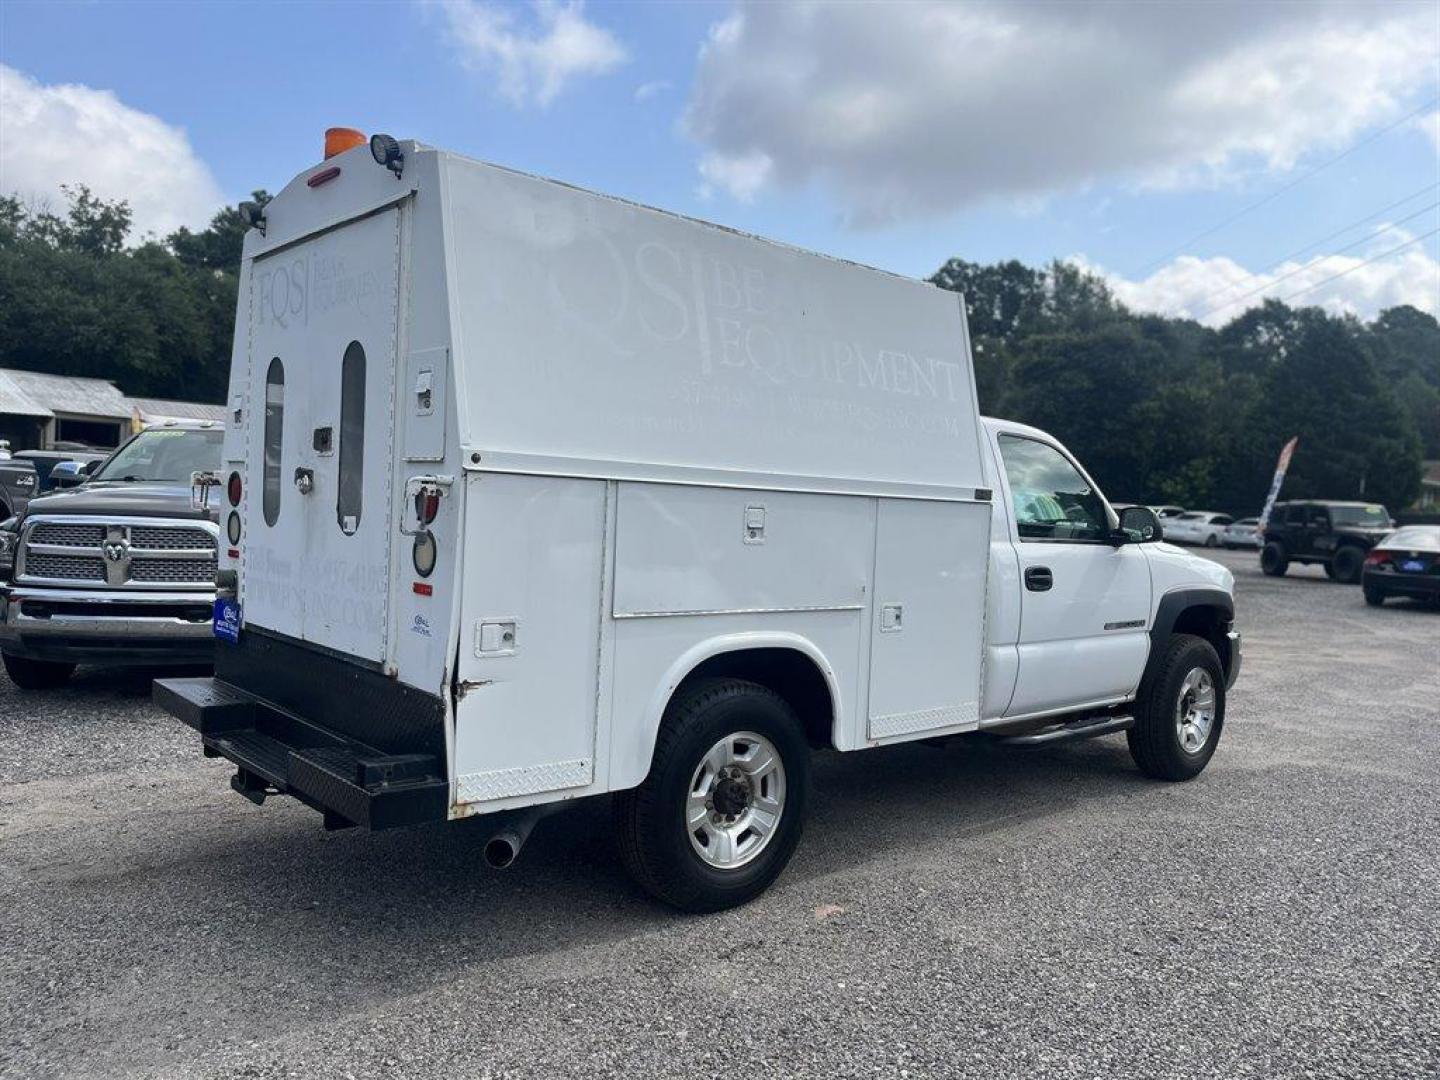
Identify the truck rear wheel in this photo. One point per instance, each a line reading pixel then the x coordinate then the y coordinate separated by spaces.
pixel 36 674
pixel 720 814
pixel 1348 564
pixel 1273 560
pixel 1180 711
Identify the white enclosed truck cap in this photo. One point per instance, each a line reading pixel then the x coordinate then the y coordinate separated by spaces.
pixel 530 491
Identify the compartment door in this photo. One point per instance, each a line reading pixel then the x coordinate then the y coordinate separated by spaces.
pixel 928 629
pixel 323 342
pixel 528 693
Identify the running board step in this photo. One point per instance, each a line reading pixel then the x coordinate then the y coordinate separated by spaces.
pixel 1087 728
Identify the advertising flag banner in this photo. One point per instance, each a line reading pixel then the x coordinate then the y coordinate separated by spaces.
pixel 1280 466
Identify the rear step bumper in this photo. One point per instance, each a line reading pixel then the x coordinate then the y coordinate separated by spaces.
pixel 277 753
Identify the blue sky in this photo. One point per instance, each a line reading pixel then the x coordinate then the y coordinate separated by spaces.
pixel 897 135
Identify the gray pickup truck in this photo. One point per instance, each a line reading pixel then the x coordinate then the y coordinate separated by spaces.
pixel 120 570
pixel 19 483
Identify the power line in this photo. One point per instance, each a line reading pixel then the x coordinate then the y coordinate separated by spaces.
pixel 1310 266
pixel 1347 228
pixel 1357 266
pixel 1293 184
pixel 1255 276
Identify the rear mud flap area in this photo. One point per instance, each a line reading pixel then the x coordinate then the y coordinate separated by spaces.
pixel 277 753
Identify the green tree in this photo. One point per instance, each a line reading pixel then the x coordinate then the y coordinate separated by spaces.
pixel 1356 441
pixel 156 319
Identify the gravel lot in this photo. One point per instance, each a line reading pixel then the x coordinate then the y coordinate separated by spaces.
pixel 966 911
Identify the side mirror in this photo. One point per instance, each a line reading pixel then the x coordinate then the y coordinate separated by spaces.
pixel 1138 525
pixel 67 474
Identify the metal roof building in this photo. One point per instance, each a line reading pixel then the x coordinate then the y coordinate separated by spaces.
pixel 39 410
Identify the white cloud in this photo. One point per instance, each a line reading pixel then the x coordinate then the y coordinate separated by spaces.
pixel 72 134
pixel 914 109
pixel 1217 290
pixel 742 175
pixel 646 91
pixel 533 57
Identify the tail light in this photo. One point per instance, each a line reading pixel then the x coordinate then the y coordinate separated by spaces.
pixel 233 489
pixel 232 528
pixel 1377 558
pixel 427 505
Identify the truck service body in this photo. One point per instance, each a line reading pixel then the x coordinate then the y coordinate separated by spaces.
pixel 530 491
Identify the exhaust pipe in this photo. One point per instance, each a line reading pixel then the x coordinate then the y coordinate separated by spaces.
pixel 502 848
pixel 512 829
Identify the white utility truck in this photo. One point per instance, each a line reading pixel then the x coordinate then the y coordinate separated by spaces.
pixel 532 494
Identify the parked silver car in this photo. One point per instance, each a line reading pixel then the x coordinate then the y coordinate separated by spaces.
pixel 1202 527
pixel 1244 532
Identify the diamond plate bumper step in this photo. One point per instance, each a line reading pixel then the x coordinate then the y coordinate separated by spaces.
pixel 278 753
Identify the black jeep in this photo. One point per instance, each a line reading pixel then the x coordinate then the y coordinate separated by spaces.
pixel 1335 534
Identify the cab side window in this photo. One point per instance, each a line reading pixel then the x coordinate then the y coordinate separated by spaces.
pixel 1051 499
pixel 1295 515
pixel 1319 517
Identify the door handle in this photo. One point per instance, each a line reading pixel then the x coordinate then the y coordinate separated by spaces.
pixel 1038 578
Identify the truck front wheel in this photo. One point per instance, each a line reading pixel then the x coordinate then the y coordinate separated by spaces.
pixel 1180 711
pixel 36 674
pixel 720 814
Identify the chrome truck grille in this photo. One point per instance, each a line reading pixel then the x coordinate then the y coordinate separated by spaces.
pixel 117 553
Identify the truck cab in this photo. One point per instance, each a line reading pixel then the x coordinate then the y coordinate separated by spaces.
pixel 1078 614
pixel 533 495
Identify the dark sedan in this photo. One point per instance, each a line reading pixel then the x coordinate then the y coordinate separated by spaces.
pixel 1405 563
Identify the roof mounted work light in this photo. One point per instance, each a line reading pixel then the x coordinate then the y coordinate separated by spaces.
pixel 386 151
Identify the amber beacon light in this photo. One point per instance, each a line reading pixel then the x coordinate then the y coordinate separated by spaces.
pixel 340 139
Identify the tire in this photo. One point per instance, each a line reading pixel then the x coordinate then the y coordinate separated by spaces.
pixel 1190 666
pixel 1373 596
pixel 1330 571
pixel 1211 542
pixel 1273 560
pixel 652 823
pixel 1349 563
pixel 36 674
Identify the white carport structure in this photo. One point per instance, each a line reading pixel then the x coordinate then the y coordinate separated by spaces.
pixel 38 410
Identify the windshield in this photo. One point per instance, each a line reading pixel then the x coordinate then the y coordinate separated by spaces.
pixel 167 455
pixel 1366 517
